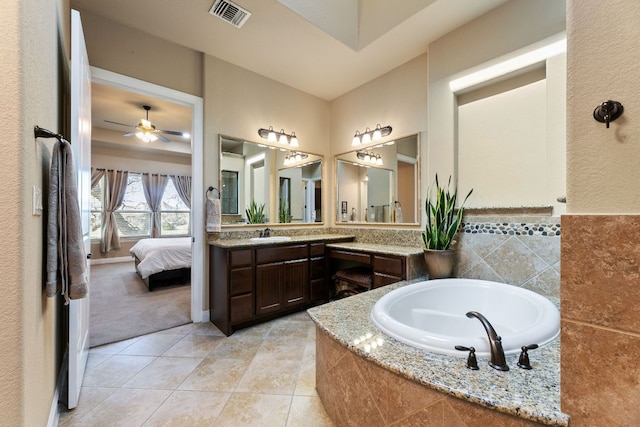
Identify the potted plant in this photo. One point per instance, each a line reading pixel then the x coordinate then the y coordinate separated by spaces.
pixel 443 222
pixel 255 213
pixel 284 213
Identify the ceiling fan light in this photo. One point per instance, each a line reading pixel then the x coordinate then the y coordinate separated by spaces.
pixel 186 135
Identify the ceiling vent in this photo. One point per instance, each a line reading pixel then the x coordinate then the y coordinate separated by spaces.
pixel 230 12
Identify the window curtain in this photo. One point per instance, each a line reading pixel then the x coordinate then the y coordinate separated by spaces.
pixel 114 196
pixel 183 187
pixel 153 186
pixel 96 176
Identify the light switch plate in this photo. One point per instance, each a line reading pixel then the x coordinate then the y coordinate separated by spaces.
pixel 37 200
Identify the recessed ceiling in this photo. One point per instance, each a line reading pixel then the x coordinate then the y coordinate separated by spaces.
pixel 324 51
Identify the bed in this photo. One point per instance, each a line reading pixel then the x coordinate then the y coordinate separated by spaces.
pixel 163 261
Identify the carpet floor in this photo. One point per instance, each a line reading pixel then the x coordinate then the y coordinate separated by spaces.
pixel 122 307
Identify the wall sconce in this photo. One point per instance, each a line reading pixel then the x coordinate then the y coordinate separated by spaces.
pixel 281 137
pixel 370 135
pixel 294 157
pixel 369 157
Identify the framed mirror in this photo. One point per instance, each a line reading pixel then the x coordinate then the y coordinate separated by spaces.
pixel 278 185
pixel 380 184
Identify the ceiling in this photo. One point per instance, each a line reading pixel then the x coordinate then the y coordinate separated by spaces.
pixel 324 48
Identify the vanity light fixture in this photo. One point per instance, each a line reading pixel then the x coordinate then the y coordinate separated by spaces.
pixel 294 157
pixel 370 157
pixel 371 135
pixel 281 137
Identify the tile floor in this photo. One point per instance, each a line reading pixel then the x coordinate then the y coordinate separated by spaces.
pixel 193 375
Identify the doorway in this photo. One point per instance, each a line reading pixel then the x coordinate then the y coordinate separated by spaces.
pixel 198 235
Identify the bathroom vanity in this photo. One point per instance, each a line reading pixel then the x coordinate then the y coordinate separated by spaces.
pixel 251 282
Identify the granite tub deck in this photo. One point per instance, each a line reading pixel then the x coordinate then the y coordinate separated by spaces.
pixel 395 383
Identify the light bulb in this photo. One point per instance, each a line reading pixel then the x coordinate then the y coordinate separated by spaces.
pixel 356 139
pixel 367 157
pixel 377 134
pixel 366 136
pixel 298 157
pixel 283 137
pixel 271 137
pixel 294 140
pixel 378 160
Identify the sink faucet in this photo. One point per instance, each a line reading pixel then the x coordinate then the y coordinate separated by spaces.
pixel 495 342
pixel 266 232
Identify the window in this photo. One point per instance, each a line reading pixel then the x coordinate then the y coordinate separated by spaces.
pixel 134 216
pixel 175 214
pixel 97 200
pixel 229 194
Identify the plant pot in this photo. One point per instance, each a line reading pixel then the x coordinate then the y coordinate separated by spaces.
pixel 439 262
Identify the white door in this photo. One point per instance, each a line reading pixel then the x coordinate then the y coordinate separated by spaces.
pixel 81 147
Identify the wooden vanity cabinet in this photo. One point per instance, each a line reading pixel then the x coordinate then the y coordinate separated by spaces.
pixel 231 301
pixel 320 289
pixel 387 269
pixel 282 278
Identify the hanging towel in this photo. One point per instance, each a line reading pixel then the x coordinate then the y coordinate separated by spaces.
pixel 214 215
pixel 66 257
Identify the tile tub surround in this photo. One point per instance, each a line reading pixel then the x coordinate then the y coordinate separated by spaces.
pixel 601 319
pixel 516 397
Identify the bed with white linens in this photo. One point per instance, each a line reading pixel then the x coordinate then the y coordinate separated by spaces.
pixel 162 260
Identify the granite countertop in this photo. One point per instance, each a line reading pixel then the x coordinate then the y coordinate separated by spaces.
pixel 532 395
pixel 233 243
pixel 377 248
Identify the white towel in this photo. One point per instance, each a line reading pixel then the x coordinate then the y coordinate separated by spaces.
pixel 66 258
pixel 214 215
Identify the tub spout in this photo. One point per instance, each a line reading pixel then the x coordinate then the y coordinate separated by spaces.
pixel 495 342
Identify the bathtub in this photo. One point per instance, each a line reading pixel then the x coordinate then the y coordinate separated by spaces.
pixel 431 315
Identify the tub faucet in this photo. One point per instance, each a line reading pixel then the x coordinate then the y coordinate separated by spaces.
pixel 495 342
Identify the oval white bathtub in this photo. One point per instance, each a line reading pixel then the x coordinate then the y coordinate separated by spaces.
pixel 432 315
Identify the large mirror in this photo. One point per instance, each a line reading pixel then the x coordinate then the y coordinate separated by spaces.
pixel 379 184
pixel 261 184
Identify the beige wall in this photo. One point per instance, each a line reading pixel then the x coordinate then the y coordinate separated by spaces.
pixel 604 166
pixel 31 322
pixel 123 50
pixel 480 41
pixel 238 102
pixel 397 98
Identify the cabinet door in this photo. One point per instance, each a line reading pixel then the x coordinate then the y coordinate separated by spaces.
pixel 268 288
pixel 296 282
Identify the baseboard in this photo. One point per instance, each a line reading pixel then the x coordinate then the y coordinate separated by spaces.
pixel 54 412
pixel 111 260
pixel 205 316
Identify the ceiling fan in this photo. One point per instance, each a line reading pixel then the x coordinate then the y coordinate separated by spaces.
pixel 146 131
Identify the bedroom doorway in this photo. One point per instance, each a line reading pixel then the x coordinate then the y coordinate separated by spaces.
pixel 164 98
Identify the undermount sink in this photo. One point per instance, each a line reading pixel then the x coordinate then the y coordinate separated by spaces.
pixel 270 239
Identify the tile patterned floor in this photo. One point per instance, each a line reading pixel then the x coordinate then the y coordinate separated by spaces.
pixel 193 375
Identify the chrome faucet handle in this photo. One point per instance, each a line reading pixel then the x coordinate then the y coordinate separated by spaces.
pixel 472 362
pixel 523 360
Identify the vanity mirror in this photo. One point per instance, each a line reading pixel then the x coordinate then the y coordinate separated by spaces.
pixel 379 184
pixel 288 183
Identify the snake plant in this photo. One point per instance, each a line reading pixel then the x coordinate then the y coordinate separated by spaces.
pixel 443 219
pixel 255 213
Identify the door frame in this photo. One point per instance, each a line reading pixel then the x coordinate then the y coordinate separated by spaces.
pixel 198 255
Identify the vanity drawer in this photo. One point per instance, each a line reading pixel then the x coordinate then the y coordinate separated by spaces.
pixel 316 249
pixel 388 265
pixel 380 279
pixel 282 253
pixel 240 280
pixel 240 257
pixel 350 256
pixel 240 308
